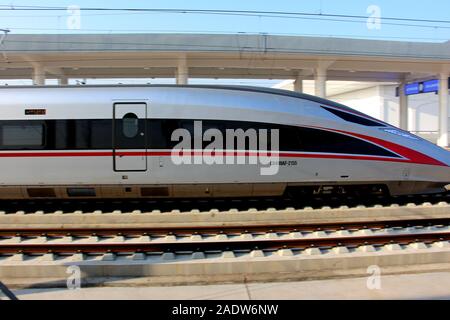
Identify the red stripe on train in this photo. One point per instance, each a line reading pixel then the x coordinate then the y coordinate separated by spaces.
pixel 193 153
pixel 411 155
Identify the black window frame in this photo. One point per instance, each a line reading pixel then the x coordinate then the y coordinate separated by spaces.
pixel 42 123
pixel 158 136
pixel 354 118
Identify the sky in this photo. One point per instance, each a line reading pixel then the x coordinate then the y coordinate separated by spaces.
pixel 128 22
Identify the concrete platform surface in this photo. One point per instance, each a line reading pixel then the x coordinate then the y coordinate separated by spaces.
pixel 408 286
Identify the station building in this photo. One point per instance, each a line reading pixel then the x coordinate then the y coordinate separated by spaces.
pixel 363 74
pixel 382 101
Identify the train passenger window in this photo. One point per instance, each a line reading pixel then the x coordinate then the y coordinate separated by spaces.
pixel 100 134
pixel 16 135
pixel 130 125
pixel 354 118
pixel 160 133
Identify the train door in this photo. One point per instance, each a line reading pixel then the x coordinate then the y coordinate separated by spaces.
pixel 129 136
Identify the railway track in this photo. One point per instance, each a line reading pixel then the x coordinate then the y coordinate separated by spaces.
pixel 235 247
pixel 223 239
pixel 213 231
pixel 186 205
pixel 205 247
pixel 224 230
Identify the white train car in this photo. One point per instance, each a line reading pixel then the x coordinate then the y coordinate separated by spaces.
pixel 118 142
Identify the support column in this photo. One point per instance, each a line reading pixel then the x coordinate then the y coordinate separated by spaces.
pixel 403 106
pixel 182 73
pixel 320 82
pixel 443 110
pixel 38 76
pixel 298 84
pixel 63 81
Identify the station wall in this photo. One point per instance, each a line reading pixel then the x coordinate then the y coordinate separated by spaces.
pixel 381 102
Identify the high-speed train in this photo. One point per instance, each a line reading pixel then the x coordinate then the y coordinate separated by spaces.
pixel 167 141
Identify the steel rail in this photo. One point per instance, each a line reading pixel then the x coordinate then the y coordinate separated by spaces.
pixel 213 230
pixel 220 246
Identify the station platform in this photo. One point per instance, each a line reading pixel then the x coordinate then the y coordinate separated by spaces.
pixel 434 285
